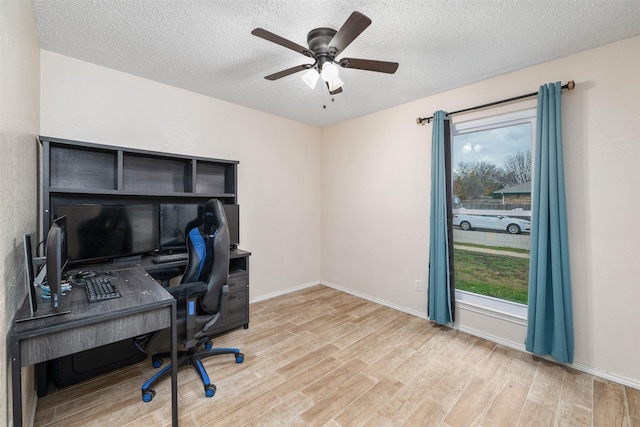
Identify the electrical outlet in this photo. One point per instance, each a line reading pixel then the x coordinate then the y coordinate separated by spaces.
pixel 418 285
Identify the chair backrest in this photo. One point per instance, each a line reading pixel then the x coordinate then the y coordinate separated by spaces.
pixel 208 247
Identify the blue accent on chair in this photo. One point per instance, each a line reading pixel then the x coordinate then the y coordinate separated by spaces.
pixel 191 310
pixel 147 392
pixel 199 246
pixel 203 373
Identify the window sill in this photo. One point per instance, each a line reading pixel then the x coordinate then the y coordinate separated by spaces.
pixel 494 307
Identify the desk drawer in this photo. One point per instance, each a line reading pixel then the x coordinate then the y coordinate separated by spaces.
pixel 237 311
pixel 238 282
pixel 237 308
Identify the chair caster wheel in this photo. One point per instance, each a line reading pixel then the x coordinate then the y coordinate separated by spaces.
pixel 208 345
pixel 156 363
pixel 239 357
pixel 147 396
pixel 209 390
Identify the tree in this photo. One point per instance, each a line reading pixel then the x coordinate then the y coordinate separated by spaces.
pixel 517 168
pixel 476 179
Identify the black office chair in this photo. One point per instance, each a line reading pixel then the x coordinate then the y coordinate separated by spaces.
pixel 202 300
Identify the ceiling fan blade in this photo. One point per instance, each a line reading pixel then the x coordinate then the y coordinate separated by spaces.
pixel 354 25
pixel 284 73
pixel 274 38
pixel 333 92
pixel 369 65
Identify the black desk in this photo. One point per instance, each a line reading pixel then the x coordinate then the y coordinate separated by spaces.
pixel 145 307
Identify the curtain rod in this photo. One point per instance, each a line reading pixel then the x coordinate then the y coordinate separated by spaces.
pixel 420 120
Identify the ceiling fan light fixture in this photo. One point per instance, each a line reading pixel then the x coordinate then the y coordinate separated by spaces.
pixel 311 78
pixel 329 72
pixel 335 84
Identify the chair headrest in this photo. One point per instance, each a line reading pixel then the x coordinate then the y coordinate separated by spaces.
pixel 212 216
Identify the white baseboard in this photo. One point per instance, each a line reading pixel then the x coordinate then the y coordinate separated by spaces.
pixel 284 292
pixel 376 300
pixel 576 365
pixel 516 346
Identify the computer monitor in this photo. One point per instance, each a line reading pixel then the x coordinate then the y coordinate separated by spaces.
pixel 100 232
pixel 233 220
pixel 56 258
pixel 54 248
pixel 175 217
pixel 29 274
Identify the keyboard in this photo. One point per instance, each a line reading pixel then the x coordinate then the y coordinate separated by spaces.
pixel 158 259
pixel 100 289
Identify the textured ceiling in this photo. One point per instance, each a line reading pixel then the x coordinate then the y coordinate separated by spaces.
pixel 207 46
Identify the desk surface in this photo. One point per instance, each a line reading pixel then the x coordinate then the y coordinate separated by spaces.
pixel 139 293
pixel 137 287
pixel 144 307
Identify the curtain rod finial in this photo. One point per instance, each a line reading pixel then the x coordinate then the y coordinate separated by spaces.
pixel 571 85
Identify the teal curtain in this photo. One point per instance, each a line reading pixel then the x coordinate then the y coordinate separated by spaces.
pixel 439 305
pixel 550 321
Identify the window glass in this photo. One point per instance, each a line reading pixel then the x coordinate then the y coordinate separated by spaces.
pixel 492 183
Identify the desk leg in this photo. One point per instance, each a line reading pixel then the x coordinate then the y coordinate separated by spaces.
pixel 16 382
pixel 174 366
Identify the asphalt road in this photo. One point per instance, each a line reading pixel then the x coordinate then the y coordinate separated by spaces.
pixel 492 238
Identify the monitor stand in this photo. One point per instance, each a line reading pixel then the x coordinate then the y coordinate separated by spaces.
pixel 43 310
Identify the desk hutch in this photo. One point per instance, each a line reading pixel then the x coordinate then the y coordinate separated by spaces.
pixel 75 172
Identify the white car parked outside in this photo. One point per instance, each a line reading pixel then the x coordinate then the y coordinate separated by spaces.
pixel 492 222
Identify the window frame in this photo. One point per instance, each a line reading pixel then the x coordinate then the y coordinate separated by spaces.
pixel 507 310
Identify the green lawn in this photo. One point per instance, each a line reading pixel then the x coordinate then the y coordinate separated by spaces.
pixel 498 276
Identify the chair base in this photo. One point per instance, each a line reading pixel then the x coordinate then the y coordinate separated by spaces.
pixel 192 357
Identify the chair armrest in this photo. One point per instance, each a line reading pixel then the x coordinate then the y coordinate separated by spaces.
pixel 185 291
pixel 221 316
pixel 188 293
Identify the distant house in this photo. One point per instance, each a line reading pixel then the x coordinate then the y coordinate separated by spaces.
pixel 520 193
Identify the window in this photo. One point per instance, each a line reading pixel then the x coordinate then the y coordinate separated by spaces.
pixel 492 177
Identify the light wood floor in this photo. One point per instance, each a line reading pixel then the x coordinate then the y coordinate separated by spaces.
pixel 322 357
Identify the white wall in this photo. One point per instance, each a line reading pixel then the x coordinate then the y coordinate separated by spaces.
pixel 19 121
pixel 278 175
pixel 376 184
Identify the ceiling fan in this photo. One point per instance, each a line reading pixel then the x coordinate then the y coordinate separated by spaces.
pixel 325 44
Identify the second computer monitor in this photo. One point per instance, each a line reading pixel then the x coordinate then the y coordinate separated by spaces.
pixel 232 213
pixel 30 276
pixel 56 258
pixel 174 218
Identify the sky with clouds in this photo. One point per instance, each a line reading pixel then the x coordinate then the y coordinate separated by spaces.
pixel 492 145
